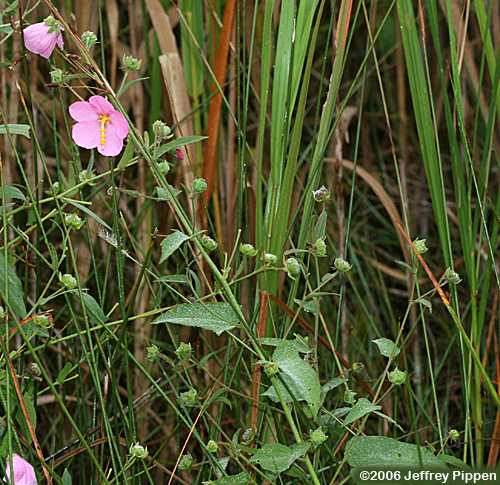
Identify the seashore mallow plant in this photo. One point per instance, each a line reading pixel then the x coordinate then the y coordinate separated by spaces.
pixel 233 326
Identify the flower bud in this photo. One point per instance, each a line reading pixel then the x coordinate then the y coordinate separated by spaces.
pixel 452 277
pixel 42 321
pixel 269 259
pixel 248 250
pixel 350 396
pixel 199 185
pixel 271 368
pixel 322 194
pixel 183 352
pixel 179 154
pixel 34 369
pixel 138 451
pixel 453 435
pixel 357 367
pixel 292 267
pixel 68 281
pixel 318 436
pixel 397 377
pixel 89 39
pixel 342 265
pixel 208 243
pixel 248 436
pixel 186 462
pixel 212 446
pixel 189 398
pixel 131 63
pixel 2 312
pixel 164 167
pixel 85 176
pixel 319 248
pixel 161 130
pixel 420 246
pixel 74 221
pixel 56 188
pixel 153 353
pixel 57 76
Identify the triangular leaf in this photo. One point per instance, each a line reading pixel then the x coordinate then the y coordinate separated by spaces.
pixel 277 458
pixel 360 409
pixel 387 347
pixel 217 317
pixel 381 451
pixel 171 243
pixel 11 289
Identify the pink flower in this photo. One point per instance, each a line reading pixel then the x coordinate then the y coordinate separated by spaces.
pixel 24 473
pixel 99 126
pixel 42 38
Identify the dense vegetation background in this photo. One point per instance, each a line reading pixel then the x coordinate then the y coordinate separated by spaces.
pixel 251 304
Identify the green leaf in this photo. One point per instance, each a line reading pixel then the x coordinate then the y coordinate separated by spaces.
pixel 127 156
pixel 299 379
pixel 320 227
pixel 93 308
pixel 178 143
pixel 380 451
pixel 241 479
pixel 217 317
pixel 11 289
pixel 331 384
pixel 360 409
pixel 387 347
pixel 66 478
pixel 12 192
pixel 171 244
pixel 15 129
pixel 167 194
pixel 277 458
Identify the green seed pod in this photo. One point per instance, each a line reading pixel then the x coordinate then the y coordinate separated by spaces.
pixel 342 265
pixel 322 194
pixel 89 39
pixel 271 368
pixel 292 267
pixel 153 353
pixel 161 130
pixel 164 167
pixel 57 76
pixel 131 63
pixel 138 451
pixel 199 185
pixel 68 281
pixel 74 221
pixel 452 277
pixel 208 243
pixel 317 436
pixel 183 352
pixel 319 248
pixel 397 377
pixel 454 435
pixel 420 246
pixel 269 259
pixel 212 446
pixel 186 462
pixel 350 396
pixel 189 399
pixel 248 250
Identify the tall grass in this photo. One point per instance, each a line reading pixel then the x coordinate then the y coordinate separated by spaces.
pixel 278 365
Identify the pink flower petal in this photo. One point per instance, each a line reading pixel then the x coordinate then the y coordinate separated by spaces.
pixel 24 473
pixel 113 145
pixel 102 105
pixel 83 111
pixel 119 124
pixel 60 40
pixel 39 40
pixel 86 134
